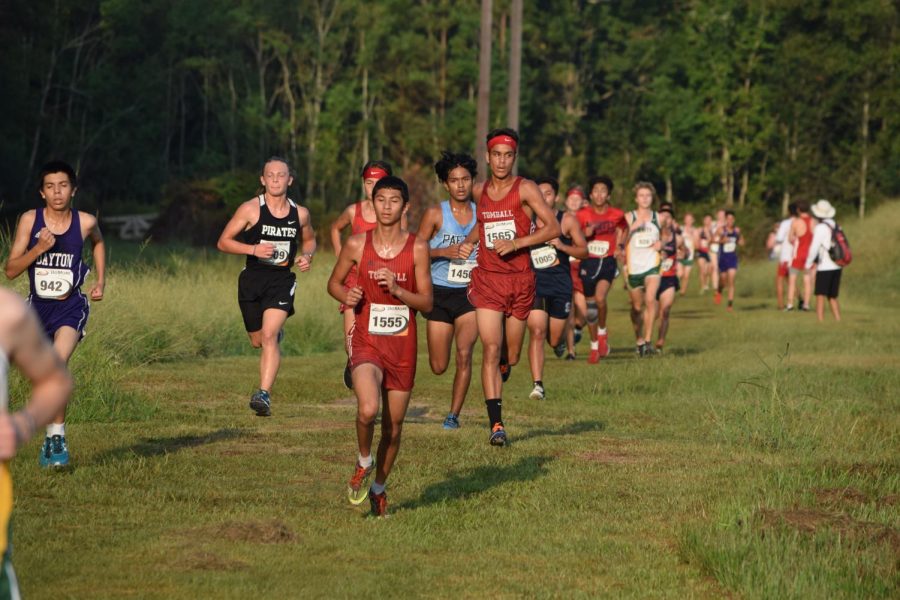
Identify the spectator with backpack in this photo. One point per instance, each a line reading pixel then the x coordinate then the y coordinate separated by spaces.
pixel 830 250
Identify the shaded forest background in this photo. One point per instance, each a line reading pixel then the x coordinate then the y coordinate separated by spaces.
pixel 726 102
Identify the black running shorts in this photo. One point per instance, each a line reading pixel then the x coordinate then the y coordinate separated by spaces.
pixel 262 289
pixel 558 307
pixel 593 270
pixel 828 283
pixel 449 304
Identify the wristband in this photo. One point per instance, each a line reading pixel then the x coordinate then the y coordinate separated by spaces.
pixel 515 247
pixel 253 251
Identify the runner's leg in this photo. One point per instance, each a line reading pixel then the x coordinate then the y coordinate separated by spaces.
pixel 666 300
pixel 537 329
pixel 367 380
pixel 393 412
pixel 440 339
pixel 270 357
pixel 466 335
pixel 651 285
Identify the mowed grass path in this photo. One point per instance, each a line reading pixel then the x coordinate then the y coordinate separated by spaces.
pixel 757 458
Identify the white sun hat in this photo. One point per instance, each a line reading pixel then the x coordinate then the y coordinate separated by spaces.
pixel 823 209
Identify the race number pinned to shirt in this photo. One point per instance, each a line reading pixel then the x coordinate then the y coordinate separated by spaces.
pixel 388 319
pixel 714 247
pixel 544 257
pixel 53 284
pixel 598 248
pixel 643 239
pixel 499 230
pixel 729 247
pixel 281 253
pixel 666 265
pixel 460 271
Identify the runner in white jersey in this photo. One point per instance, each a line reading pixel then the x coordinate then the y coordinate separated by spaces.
pixel 715 249
pixel 785 254
pixel 24 345
pixel 445 228
pixel 691 237
pixel 642 260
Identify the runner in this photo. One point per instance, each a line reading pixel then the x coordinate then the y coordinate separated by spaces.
pixel 673 245
pixel 360 217
pixel 800 238
pixel 22 343
pixel 703 254
pixel 273 228
pixel 574 202
pixel 394 283
pixel 715 248
pixel 445 227
pixel 502 287
pixel 729 238
pixel 785 254
pixel 49 243
pixel 642 261
pixel 553 297
pixel 828 273
pixel 691 236
pixel 604 229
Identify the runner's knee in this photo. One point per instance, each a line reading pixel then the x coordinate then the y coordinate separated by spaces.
pixel 592 311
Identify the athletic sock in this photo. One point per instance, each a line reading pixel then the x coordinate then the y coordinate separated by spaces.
pixel 539 382
pixel 377 488
pixel 495 410
pixel 731 303
pixel 366 462
pixel 56 429
pixel 595 345
pixel 601 331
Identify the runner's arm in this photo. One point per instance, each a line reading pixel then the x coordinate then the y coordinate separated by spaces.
pixel 740 241
pixel 818 242
pixel 344 220
pixel 532 198
pixel 571 228
pixel 246 214
pixel 19 257
pixel 99 254
pixel 351 253
pixel 307 240
pixel 428 227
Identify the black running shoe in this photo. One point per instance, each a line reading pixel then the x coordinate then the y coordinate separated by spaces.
pixel 348 378
pixel 505 370
pixel 261 403
pixel 559 349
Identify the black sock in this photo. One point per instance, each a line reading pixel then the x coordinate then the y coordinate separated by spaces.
pixel 494 408
pixel 731 303
pixel 539 382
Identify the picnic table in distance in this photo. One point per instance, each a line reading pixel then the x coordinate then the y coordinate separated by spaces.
pixel 130 227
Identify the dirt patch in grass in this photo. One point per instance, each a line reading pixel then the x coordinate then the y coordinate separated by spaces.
pixel 609 457
pixel 811 520
pixel 839 496
pixel 256 532
pixel 889 500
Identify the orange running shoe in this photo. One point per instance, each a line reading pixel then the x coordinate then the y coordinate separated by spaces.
pixel 498 435
pixel 358 488
pixel 717 299
pixel 603 342
pixel 379 504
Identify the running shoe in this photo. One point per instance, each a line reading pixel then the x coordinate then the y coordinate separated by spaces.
pixel 261 403
pixel 570 356
pixel 45 452
pixel 788 308
pixel 451 422
pixel 379 504
pixel 537 393
pixel 505 369
pixel 559 349
pixel 498 435
pixel 348 377
pixel 577 334
pixel 648 350
pixel 358 488
pixel 658 348
pixel 603 343
pixel 59 452
pixel 717 299
pixel 594 357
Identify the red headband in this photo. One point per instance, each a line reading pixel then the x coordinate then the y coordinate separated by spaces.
pixel 502 139
pixel 374 173
pixel 575 192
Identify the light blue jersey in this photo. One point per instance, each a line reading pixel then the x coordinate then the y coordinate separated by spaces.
pixel 450 234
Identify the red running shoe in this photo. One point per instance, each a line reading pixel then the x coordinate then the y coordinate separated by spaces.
pixel 602 341
pixel 378 503
pixel 718 298
pixel 594 357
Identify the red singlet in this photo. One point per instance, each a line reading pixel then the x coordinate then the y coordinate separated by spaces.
pixel 605 225
pixel 802 244
pixel 383 335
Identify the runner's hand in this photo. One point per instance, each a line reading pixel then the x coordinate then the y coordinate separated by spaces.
pixel 264 250
pixel 465 250
pixel 504 247
pixel 46 240
pixel 588 231
pixel 97 292
pixel 555 243
pixel 354 295
pixel 657 245
pixel 386 279
pixel 303 262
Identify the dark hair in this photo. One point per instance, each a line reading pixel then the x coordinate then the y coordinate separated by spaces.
pixel 392 183
pixel 604 179
pixel 276 158
pixel 58 166
pixel 450 161
pixel 549 181
pixel 792 209
pixel 802 206
pixel 729 213
pixel 502 131
pixel 377 164
pixel 667 207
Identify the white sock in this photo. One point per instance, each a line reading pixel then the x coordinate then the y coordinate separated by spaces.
pixel 377 488
pixel 365 462
pixel 595 345
pixel 601 331
pixel 56 429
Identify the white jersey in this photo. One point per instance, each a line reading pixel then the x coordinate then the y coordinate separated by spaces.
pixel 640 254
pixel 819 247
pixel 785 248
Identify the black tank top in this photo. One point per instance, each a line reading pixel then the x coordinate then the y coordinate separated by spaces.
pixel 280 232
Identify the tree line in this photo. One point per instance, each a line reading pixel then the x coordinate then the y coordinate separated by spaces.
pixel 745 103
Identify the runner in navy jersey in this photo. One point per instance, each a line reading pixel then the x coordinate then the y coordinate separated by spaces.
pixel 277 235
pixel 48 244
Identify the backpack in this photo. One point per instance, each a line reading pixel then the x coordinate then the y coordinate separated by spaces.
pixel 840 247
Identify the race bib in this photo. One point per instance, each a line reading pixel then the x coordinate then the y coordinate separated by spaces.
pixel 499 230
pixel 598 248
pixel 643 240
pixel 53 284
pixel 666 265
pixel 714 247
pixel 544 257
pixel 280 256
pixel 388 319
pixel 460 271
pixel 729 247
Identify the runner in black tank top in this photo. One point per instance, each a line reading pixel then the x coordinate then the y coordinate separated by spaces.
pixel 277 235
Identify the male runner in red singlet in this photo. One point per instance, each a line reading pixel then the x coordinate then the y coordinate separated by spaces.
pixel 394 282
pixel 503 285
pixel 360 217
pixel 800 237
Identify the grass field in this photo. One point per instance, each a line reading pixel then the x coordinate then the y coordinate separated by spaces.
pixel 759 458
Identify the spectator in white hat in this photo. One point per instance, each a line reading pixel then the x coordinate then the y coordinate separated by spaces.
pixel 828 274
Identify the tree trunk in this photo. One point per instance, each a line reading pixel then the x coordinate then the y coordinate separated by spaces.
pixel 864 161
pixel 232 122
pixel 36 140
pixel 726 175
pixel 484 86
pixel 515 69
pixel 745 184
